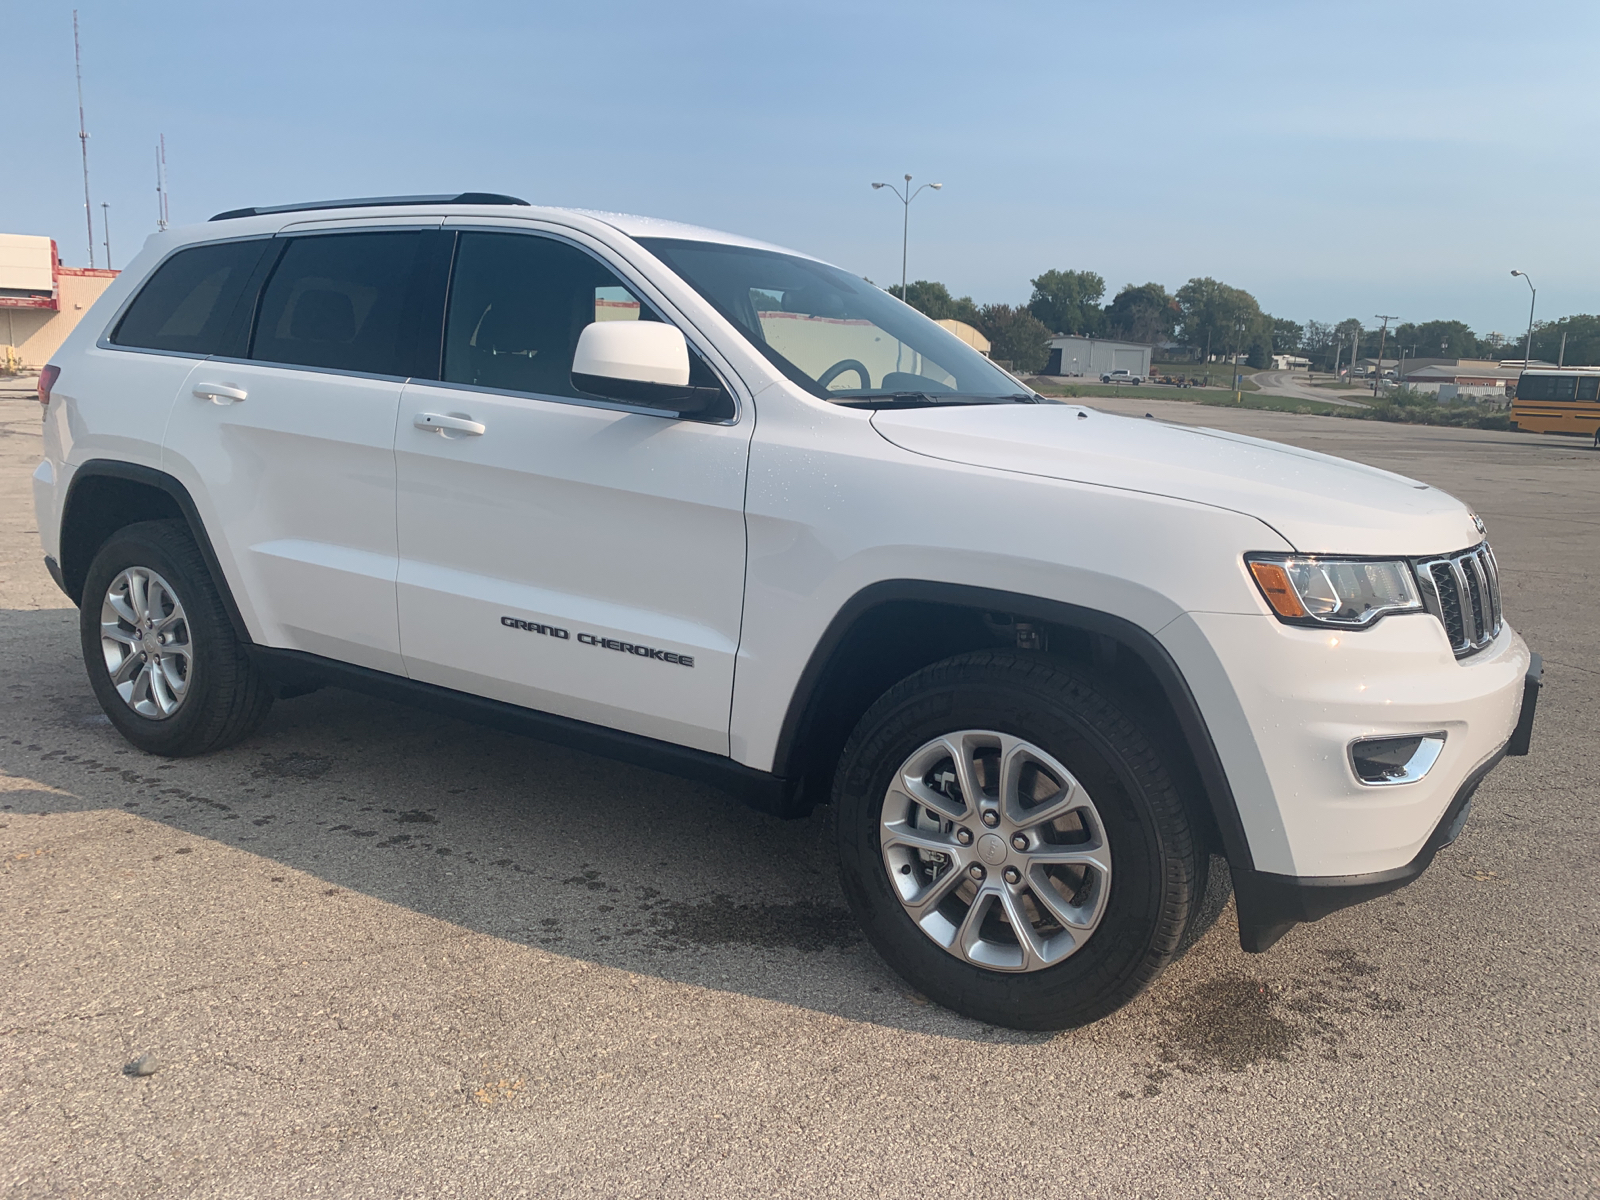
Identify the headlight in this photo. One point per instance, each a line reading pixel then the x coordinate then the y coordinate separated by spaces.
pixel 1306 590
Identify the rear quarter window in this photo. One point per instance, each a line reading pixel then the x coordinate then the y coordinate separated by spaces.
pixel 185 305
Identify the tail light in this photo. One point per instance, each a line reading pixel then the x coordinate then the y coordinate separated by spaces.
pixel 47 380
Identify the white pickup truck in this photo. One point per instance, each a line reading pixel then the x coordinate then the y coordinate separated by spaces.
pixel 1121 375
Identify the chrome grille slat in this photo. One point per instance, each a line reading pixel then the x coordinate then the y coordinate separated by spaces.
pixel 1463 591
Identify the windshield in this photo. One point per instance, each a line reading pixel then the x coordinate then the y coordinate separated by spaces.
pixel 835 335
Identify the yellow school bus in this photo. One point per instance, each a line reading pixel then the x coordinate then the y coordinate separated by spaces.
pixel 1558 400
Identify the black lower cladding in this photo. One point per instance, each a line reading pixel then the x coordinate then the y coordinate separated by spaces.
pixel 1522 736
pixel 294 673
pixel 54 568
pixel 1270 905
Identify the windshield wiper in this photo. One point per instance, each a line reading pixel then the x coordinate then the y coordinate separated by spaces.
pixel 882 400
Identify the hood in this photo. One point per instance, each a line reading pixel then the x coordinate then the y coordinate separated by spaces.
pixel 1319 504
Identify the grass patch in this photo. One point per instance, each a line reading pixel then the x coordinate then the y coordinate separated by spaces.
pixel 1212 397
pixel 1217 375
pixel 1401 405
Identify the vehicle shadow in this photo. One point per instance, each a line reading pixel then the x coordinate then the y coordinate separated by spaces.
pixel 522 840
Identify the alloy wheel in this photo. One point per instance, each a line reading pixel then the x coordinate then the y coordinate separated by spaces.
pixel 995 850
pixel 145 638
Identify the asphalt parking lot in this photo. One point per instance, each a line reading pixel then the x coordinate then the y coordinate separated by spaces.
pixel 373 952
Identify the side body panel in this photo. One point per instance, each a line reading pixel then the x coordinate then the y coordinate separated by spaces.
pixel 532 553
pixel 834 508
pixel 296 485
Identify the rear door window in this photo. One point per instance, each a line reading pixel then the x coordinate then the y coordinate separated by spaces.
pixel 185 306
pixel 336 301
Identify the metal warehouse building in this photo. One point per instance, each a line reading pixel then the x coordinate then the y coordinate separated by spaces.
pixel 1097 356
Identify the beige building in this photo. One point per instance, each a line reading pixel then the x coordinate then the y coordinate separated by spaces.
pixel 40 300
pixel 966 333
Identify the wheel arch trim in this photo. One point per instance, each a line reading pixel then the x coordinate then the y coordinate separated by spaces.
pixel 108 468
pixel 1140 641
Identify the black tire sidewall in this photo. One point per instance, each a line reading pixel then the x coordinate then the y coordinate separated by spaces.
pixel 158 546
pixel 1151 875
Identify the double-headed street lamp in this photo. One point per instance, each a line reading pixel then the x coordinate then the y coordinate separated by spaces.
pixel 906 197
pixel 1527 347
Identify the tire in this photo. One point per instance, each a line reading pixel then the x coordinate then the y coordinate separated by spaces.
pixel 1112 922
pixel 207 694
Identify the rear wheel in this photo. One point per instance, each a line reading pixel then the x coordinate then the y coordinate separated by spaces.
pixel 161 653
pixel 1013 844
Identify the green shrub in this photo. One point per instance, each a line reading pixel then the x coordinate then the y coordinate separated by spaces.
pixel 1411 407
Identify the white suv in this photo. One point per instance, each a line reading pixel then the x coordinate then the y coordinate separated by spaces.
pixel 694 501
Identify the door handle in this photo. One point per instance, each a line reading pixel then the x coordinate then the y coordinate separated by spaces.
pixel 444 424
pixel 219 393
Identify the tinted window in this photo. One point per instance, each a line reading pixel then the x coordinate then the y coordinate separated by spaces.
pixel 187 302
pixel 335 301
pixel 517 306
pixel 1588 387
pixel 1547 387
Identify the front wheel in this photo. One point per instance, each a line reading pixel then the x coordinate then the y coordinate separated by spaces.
pixel 1012 842
pixel 161 653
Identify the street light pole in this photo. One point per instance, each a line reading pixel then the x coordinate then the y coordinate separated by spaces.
pixel 1527 347
pixel 906 197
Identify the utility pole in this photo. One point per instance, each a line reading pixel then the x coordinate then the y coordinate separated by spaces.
pixel 105 219
pixel 163 215
pixel 1383 336
pixel 1561 361
pixel 83 138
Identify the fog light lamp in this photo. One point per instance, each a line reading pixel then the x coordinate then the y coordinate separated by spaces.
pixel 1387 761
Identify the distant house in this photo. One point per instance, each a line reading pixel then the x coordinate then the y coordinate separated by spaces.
pixel 1290 362
pixel 1097 356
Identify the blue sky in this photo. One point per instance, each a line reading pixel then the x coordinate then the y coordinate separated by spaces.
pixel 1334 160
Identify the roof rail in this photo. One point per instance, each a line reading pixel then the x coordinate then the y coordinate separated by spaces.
pixel 370 202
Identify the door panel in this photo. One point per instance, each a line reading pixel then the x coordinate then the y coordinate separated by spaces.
pixel 299 481
pixel 579 560
pixel 293 444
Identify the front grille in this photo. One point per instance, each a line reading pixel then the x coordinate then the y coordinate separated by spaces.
pixel 1463 591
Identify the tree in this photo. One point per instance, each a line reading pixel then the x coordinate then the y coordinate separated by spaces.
pixel 1317 343
pixel 1287 336
pixel 1217 319
pixel 1142 314
pixel 934 300
pixel 1068 301
pixel 1347 338
pixel 1583 340
pixel 1438 339
pixel 1015 336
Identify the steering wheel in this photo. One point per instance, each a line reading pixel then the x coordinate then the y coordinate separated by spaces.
pixel 840 367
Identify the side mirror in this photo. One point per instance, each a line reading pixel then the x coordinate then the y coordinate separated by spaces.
pixel 638 362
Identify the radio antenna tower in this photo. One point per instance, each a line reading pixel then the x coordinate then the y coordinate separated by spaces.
pixel 83 138
pixel 163 214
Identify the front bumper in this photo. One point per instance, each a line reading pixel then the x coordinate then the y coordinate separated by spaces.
pixel 1270 905
pixel 1285 703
